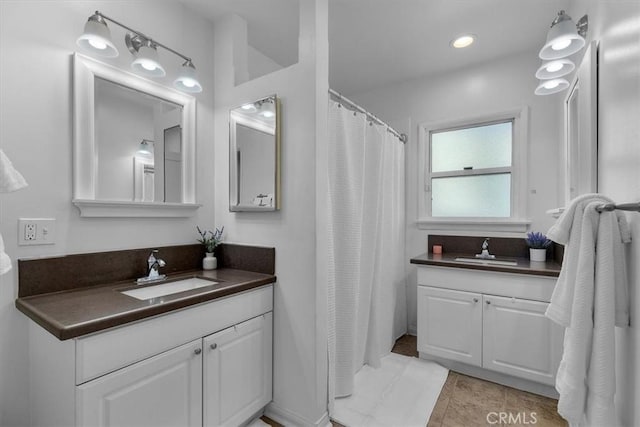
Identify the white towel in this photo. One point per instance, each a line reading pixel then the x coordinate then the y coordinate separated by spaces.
pixel 568 232
pixel 5 261
pixel 593 301
pixel 10 178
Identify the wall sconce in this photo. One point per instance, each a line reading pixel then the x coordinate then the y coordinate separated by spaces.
pixel 563 39
pixel 145 149
pixel 97 39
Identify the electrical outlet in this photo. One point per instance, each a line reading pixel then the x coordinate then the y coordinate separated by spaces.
pixel 36 231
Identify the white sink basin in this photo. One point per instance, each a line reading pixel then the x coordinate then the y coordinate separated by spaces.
pixel 163 289
pixel 487 261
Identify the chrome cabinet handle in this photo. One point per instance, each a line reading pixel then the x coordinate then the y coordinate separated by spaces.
pixel 475 300
pixel 214 346
pixel 197 351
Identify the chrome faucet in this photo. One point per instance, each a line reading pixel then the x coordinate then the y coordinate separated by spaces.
pixel 153 264
pixel 485 250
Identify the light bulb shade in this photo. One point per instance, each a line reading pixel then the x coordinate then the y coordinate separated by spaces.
pixel 548 87
pixel 555 69
pixel 146 62
pixel 187 80
pixel 144 149
pixel 97 38
pixel 562 40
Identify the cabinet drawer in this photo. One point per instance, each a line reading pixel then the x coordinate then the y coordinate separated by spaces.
pixel 104 352
pixel 538 288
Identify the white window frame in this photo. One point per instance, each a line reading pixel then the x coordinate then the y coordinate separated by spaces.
pixel 517 222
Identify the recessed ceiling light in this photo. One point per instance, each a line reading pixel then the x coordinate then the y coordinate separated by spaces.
pixel 463 40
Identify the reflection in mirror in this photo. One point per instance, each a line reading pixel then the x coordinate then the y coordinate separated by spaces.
pixel 138 145
pixel 133 144
pixel 254 156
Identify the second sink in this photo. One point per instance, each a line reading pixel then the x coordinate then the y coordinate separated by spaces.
pixel 149 292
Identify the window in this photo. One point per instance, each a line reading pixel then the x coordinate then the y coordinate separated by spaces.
pixel 473 173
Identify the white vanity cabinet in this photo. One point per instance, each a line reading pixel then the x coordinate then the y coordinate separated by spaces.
pixel 489 321
pixel 237 372
pixel 164 390
pixel 449 324
pixel 205 365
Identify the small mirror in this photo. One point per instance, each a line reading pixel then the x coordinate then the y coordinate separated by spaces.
pixel 254 156
pixel 134 144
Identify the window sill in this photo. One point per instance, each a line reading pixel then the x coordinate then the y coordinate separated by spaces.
pixel 474 224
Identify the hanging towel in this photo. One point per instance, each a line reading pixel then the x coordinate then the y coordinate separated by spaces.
pixel 589 300
pixel 5 261
pixel 10 178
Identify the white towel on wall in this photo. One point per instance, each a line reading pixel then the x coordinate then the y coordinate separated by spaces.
pixel 10 178
pixel 5 261
pixel 589 300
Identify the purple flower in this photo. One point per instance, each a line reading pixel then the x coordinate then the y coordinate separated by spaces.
pixel 537 240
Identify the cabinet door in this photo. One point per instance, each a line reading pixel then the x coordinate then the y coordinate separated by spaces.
pixel 164 390
pixel 519 340
pixel 237 371
pixel 450 324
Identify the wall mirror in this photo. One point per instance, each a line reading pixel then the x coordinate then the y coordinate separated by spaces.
pixel 254 156
pixel 581 128
pixel 134 144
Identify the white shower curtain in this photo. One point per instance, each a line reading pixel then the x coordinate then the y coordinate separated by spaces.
pixel 366 289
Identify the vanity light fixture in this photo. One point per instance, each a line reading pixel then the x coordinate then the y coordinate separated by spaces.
pixel 145 148
pixel 146 56
pixel 564 38
pixel 462 40
pixel 555 69
pixel 97 39
pixel 548 87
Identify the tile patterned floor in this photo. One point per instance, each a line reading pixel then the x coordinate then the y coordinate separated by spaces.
pixel 467 402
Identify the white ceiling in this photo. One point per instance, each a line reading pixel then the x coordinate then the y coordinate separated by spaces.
pixel 378 42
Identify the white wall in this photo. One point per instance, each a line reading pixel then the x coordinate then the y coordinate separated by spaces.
pixel 494 87
pixel 616 25
pixel 300 392
pixel 37 39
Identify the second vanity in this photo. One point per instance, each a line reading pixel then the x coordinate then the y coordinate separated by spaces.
pixel 99 357
pixel 488 320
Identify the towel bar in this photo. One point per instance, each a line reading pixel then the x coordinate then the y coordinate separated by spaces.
pixel 634 207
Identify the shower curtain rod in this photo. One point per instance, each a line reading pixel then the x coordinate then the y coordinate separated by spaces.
pixel 341 98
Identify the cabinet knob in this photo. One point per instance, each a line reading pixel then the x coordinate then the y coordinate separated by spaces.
pixel 488 302
pixel 214 346
pixel 197 351
pixel 475 300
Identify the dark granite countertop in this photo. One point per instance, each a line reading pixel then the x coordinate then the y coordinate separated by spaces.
pixel 76 312
pixel 525 266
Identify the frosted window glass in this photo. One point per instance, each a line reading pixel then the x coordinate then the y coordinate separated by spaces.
pixel 479 147
pixel 472 196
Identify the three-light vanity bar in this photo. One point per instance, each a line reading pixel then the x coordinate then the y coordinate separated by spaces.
pixel 97 39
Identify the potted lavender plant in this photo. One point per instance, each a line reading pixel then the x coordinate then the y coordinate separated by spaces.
pixel 210 240
pixel 538 244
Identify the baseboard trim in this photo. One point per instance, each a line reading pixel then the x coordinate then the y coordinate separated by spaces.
pixel 288 418
pixel 496 377
pixel 413 330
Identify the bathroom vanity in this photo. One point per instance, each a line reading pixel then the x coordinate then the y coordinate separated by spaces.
pixel 488 320
pixel 200 357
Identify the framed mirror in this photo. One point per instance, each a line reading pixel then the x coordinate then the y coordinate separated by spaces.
pixel 254 156
pixel 581 128
pixel 134 145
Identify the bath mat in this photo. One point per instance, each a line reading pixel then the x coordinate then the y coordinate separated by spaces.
pixel 402 392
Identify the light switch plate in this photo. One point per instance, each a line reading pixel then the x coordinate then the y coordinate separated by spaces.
pixel 36 231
